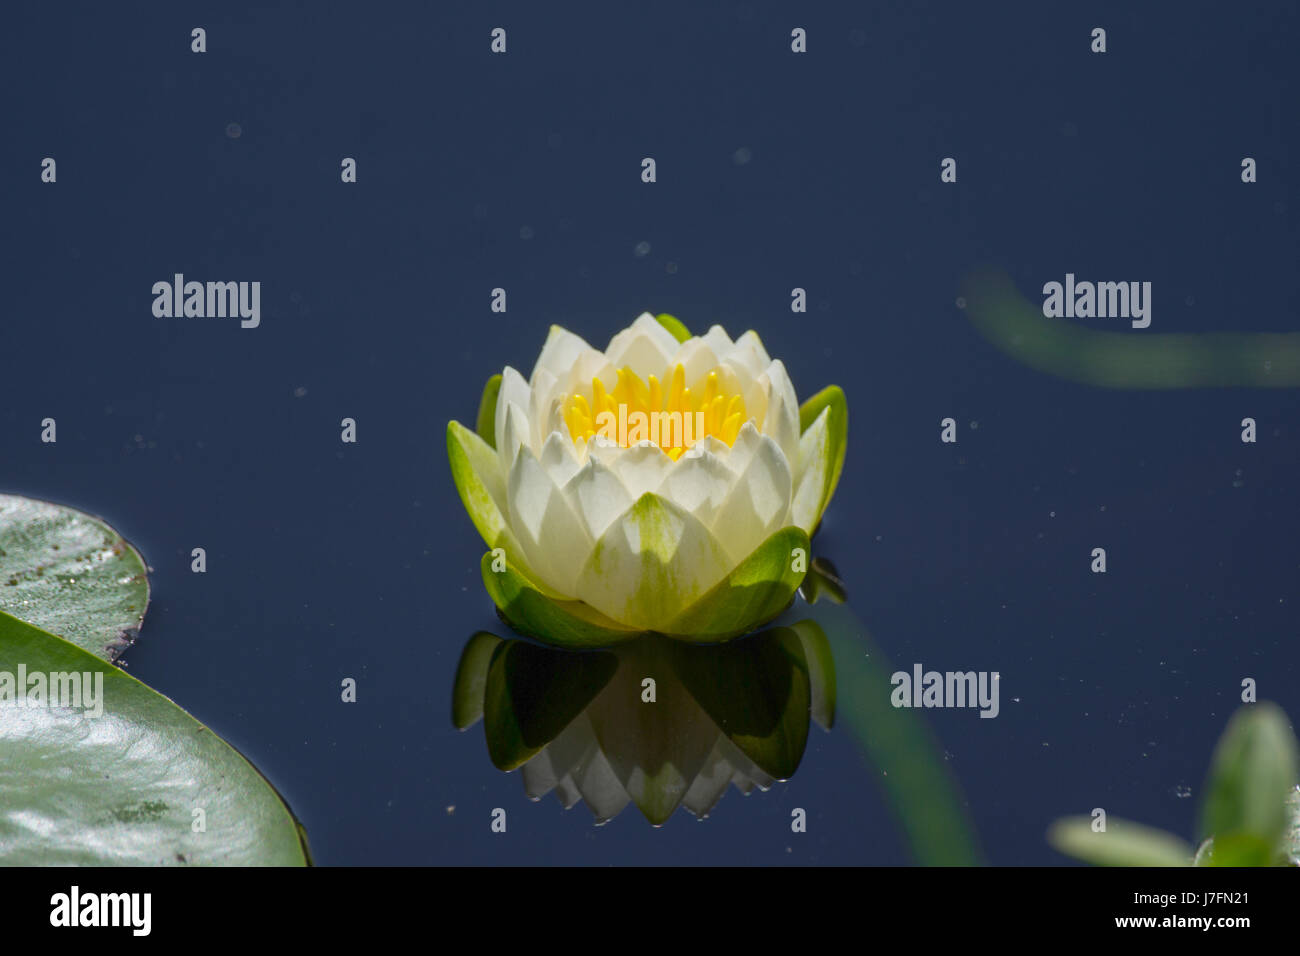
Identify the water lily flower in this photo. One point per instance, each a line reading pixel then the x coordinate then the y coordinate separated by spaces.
pixel 667 484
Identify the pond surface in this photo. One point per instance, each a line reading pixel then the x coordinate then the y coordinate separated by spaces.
pixel 775 171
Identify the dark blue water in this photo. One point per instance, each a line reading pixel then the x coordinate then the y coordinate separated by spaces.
pixel 328 561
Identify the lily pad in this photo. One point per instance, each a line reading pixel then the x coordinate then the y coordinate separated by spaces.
pixel 95 768
pixel 121 779
pixel 69 573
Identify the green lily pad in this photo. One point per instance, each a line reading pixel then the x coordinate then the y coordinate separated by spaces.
pixel 486 423
pixel 69 573
pixel 674 325
pixel 122 787
pixel 1122 843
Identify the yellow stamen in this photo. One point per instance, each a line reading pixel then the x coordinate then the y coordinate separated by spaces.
pixel 674 417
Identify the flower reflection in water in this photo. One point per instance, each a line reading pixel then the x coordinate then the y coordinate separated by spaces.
pixel 653 722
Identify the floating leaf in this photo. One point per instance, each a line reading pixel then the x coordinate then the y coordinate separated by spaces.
pixel 70 574
pixel 122 787
pixel 96 768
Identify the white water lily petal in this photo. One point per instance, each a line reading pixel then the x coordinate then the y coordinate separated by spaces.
pixel 748 352
pixel 561 350
pixel 598 496
pixel 514 391
pixel 743 448
pixel 590 364
pixel 645 347
pixel 542 401
pixel 718 340
pixel 746 775
pixel 758 504
pixel 514 436
pixel 699 481
pixel 814 462
pixel 781 420
pixel 554 538
pixel 710 784
pixel 653 561
pixel 568 792
pixel 539 775
pixel 558 459
pixel 601 789
pixel 641 468
pixel 570 749
pixel 696 359
pixel 756 401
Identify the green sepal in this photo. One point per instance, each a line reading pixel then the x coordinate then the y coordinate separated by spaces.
pixel 674 325
pixel 837 434
pixel 533 610
pixel 823 581
pixel 757 590
pixel 473 464
pixel 486 423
